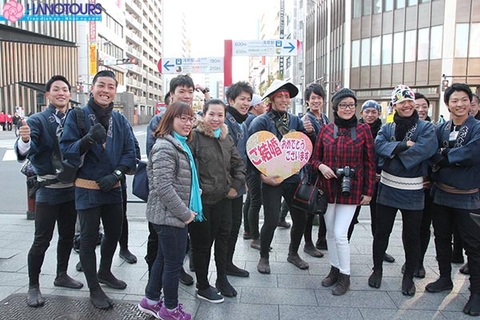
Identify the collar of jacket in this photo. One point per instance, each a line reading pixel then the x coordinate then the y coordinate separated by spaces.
pixel 206 130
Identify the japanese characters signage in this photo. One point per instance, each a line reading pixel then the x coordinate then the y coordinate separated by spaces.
pixel 279 158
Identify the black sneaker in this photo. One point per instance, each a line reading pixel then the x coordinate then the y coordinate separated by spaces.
pixel 185 278
pixel 210 294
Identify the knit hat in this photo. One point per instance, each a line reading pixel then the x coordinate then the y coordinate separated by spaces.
pixel 372 104
pixel 402 93
pixel 281 84
pixel 256 99
pixel 340 95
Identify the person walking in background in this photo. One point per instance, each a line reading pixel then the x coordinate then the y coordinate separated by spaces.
pixel 455 192
pixel 3 120
pixel 253 201
pixel 55 200
pixel 370 112
pixel 278 121
pixel 9 122
pixel 345 157
pixel 403 147
pixel 222 174
pixel 104 155
pixel 239 96
pixel 173 202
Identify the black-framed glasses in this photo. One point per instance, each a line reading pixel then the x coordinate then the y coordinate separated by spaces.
pixel 185 119
pixel 344 106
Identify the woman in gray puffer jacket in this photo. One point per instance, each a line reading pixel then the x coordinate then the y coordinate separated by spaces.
pixel 173 202
pixel 222 174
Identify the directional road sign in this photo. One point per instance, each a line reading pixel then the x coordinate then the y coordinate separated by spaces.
pixel 190 65
pixel 276 47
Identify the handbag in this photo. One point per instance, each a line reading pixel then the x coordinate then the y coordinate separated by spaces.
pixel 309 198
pixel 28 169
pixel 140 181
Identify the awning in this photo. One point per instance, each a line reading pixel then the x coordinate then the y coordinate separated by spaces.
pixel 40 87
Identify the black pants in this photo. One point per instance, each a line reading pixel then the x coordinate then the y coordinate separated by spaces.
pixel 123 241
pixel 215 228
pixel 46 215
pixel 272 197
pixel 152 246
pixel 112 220
pixel 373 214
pixel 237 204
pixel 411 220
pixel 444 218
pixel 253 203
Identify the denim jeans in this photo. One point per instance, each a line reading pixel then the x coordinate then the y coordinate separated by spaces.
pixel 46 215
pixel 172 243
pixel 444 218
pixel 112 219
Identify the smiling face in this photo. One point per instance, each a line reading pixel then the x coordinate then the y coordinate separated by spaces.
pixel 59 95
pixel 215 116
pixel 370 115
pixel 346 108
pixel 315 103
pixel 422 108
pixel 241 102
pixel 474 104
pixel 183 124
pixel 459 105
pixel 184 94
pixel 280 100
pixel 104 90
pixel 405 108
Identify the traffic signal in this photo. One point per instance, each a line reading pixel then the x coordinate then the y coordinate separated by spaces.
pixel 129 61
pixel 444 84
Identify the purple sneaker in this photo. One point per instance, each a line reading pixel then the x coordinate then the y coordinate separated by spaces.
pixel 149 309
pixel 176 314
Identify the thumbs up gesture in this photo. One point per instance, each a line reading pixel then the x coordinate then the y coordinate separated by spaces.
pixel 307 124
pixel 24 131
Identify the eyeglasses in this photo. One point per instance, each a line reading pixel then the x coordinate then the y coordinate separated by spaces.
pixel 185 119
pixel 344 106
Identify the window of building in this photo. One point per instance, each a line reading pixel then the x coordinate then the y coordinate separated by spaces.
pixel 423 44
pixel 387 49
pixel 377 6
pixel 376 49
pixel 412 2
pixel 424 1
pixel 461 40
pixel 474 36
pixel 388 5
pixel 398 47
pixel 399 4
pixel 436 42
pixel 367 7
pixel 356 54
pixel 365 59
pixel 357 8
pixel 410 45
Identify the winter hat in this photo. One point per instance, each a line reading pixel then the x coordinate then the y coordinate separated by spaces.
pixel 372 104
pixel 340 95
pixel 256 99
pixel 281 84
pixel 402 93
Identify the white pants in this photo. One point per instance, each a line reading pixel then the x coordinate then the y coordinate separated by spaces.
pixel 337 221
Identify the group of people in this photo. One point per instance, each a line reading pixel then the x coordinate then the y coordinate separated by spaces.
pixel 199 173
pixel 7 121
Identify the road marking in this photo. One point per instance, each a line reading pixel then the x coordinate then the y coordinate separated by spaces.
pixel 9 155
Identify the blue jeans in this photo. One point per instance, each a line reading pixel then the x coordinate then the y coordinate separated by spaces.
pixel 172 243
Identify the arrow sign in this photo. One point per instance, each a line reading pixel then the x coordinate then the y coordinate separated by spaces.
pixel 275 47
pixel 190 65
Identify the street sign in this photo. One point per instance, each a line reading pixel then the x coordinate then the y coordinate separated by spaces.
pixel 190 65
pixel 276 47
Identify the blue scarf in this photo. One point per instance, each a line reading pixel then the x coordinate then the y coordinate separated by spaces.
pixel 195 197
pixel 217 132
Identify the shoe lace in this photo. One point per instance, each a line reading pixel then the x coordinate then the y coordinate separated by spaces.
pixel 179 311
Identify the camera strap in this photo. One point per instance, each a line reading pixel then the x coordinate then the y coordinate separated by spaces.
pixel 353 133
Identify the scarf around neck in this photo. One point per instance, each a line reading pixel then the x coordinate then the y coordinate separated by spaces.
pixel 103 114
pixel 402 125
pixel 343 123
pixel 240 118
pixel 195 196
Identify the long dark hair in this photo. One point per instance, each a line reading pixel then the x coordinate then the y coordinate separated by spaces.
pixel 176 109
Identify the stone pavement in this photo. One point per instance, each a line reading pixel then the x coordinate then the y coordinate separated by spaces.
pixel 287 293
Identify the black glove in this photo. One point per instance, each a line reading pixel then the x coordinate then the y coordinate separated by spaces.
pixel 108 182
pixel 97 133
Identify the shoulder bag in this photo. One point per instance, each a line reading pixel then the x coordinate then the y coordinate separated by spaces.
pixel 308 197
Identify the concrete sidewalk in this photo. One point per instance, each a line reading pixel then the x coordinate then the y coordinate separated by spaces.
pixel 287 293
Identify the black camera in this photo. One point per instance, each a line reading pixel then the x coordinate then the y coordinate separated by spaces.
pixel 345 173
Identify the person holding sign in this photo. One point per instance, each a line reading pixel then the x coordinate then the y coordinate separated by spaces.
pixel 280 122
pixel 345 156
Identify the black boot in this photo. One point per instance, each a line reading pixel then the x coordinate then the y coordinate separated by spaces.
pixel 64 280
pixel 375 279
pixel 331 278
pixel 225 287
pixel 464 269
pixel 34 297
pixel 472 308
pixel 99 299
pixel 408 286
pixel 298 262
pixel 342 286
pixel 442 284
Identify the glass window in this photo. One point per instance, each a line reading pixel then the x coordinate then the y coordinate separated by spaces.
pixel 376 49
pixel 423 44
pixel 410 45
pixel 367 7
pixel 412 2
pixel 398 47
pixel 377 6
pixel 474 36
pixel 387 49
pixel 356 54
pixel 461 40
pixel 388 5
pixel 436 42
pixel 423 1
pixel 400 4
pixel 357 8
pixel 365 60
